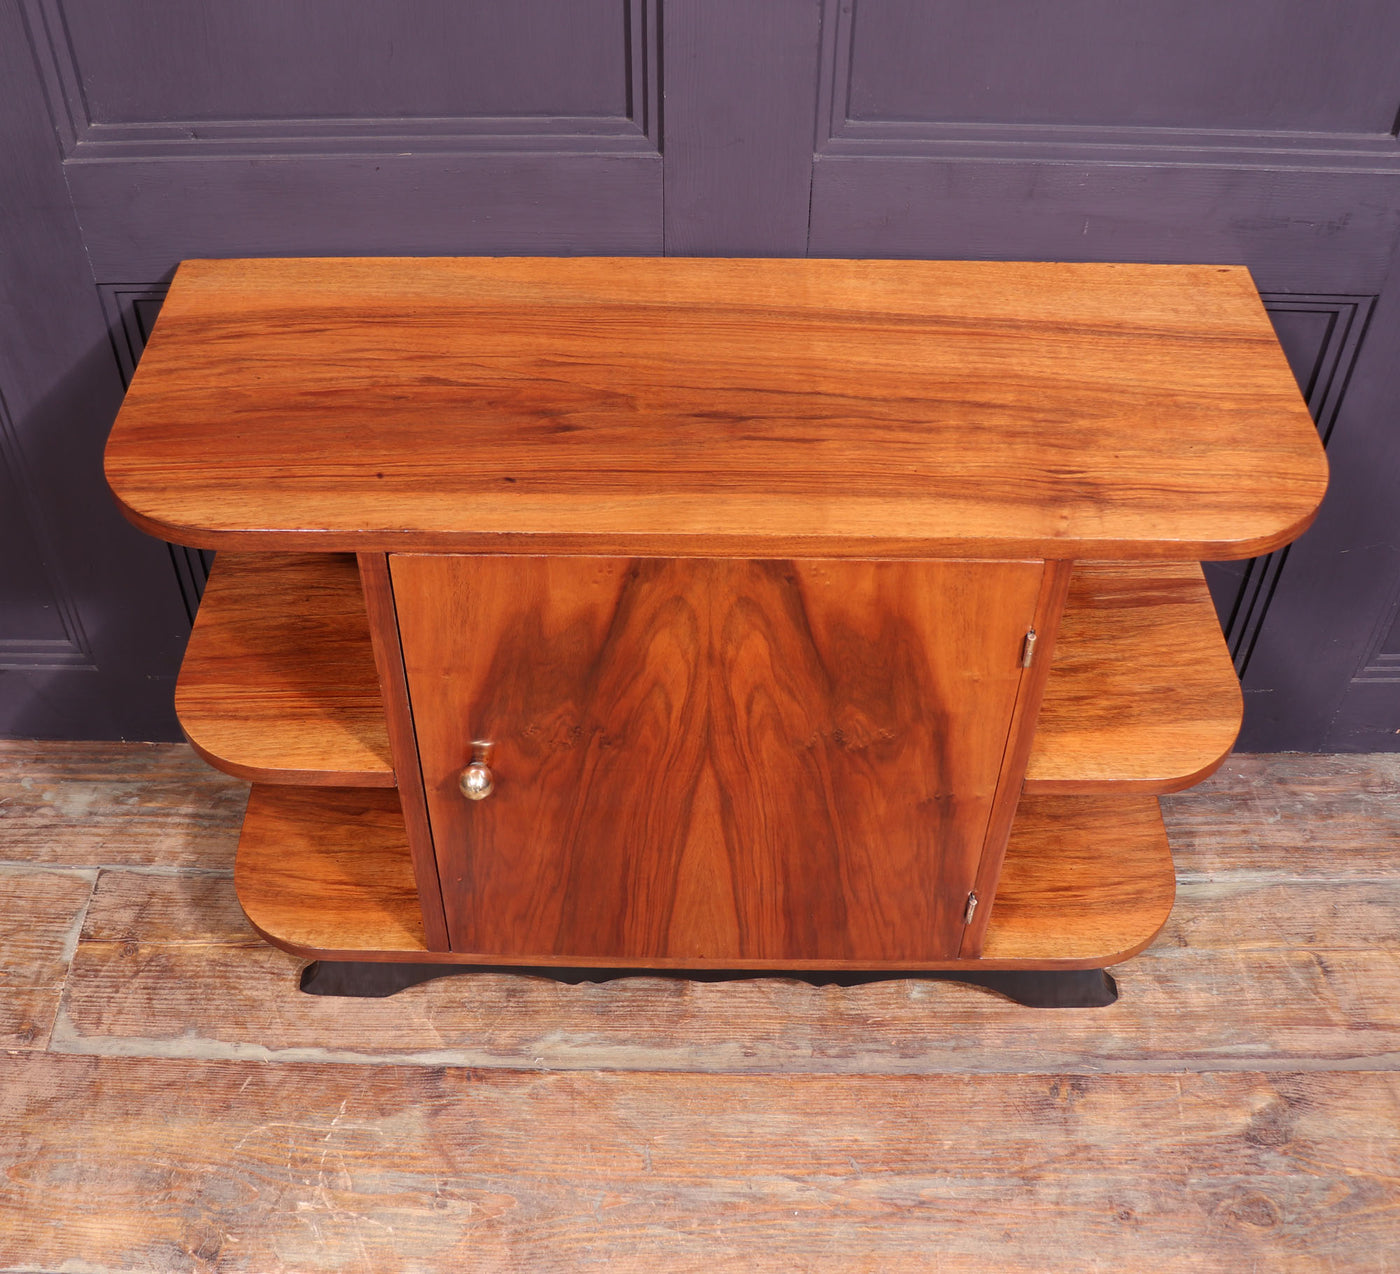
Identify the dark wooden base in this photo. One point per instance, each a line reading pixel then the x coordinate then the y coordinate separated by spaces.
pixel 1035 988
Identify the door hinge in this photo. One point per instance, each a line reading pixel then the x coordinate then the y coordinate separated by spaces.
pixel 1028 650
pixel 971 907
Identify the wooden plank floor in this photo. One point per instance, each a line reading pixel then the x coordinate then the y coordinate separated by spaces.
pixel 170 1101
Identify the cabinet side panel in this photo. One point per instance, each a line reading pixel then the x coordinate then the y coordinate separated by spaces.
pixel 712 760
pixel 388 659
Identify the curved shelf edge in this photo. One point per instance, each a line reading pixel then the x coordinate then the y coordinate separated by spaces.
pixel 278 684
pixel 288 776
pixel 1142 697
pixel 325 874
pixel 1127 787
pixel 1087 881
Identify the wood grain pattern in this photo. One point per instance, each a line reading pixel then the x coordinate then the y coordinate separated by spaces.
pixel 1283 915
pixel 1142 695
pixel 1082 876
pixel 40 912
pixel 1303 816
pixel 388 659
pixel 709 760
pixel 1086 881
pixel 170 967
pixel 746 408
pixel 395 1168
pixel 134 909
pixel 1234 1110
pixel 328 868
pixel 278 684
pixel 128 804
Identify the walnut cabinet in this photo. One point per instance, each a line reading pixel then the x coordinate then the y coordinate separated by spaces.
pixel 702 614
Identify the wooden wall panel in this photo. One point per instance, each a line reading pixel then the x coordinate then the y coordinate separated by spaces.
pixel 1322 337
pixel 106 668
pixel 440 129
pixel 151 62
pixel 740 94
pixel 1307 687
pixel 533 201
pixel 145 78
pixel 1169 64
pixel 40 626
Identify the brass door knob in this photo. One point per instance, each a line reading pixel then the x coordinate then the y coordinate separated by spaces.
pixel 476 781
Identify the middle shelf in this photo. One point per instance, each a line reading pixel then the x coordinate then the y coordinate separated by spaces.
pixel 279 683
pixel 1142 696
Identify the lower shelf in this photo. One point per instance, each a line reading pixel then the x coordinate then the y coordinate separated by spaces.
pixel 325 873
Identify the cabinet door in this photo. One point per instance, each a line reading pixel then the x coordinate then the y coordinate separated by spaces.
pixel 712 761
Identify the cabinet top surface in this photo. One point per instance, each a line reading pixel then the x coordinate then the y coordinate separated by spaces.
pixel 749 407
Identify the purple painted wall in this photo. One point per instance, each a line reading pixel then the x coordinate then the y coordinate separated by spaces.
pixel 135 133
